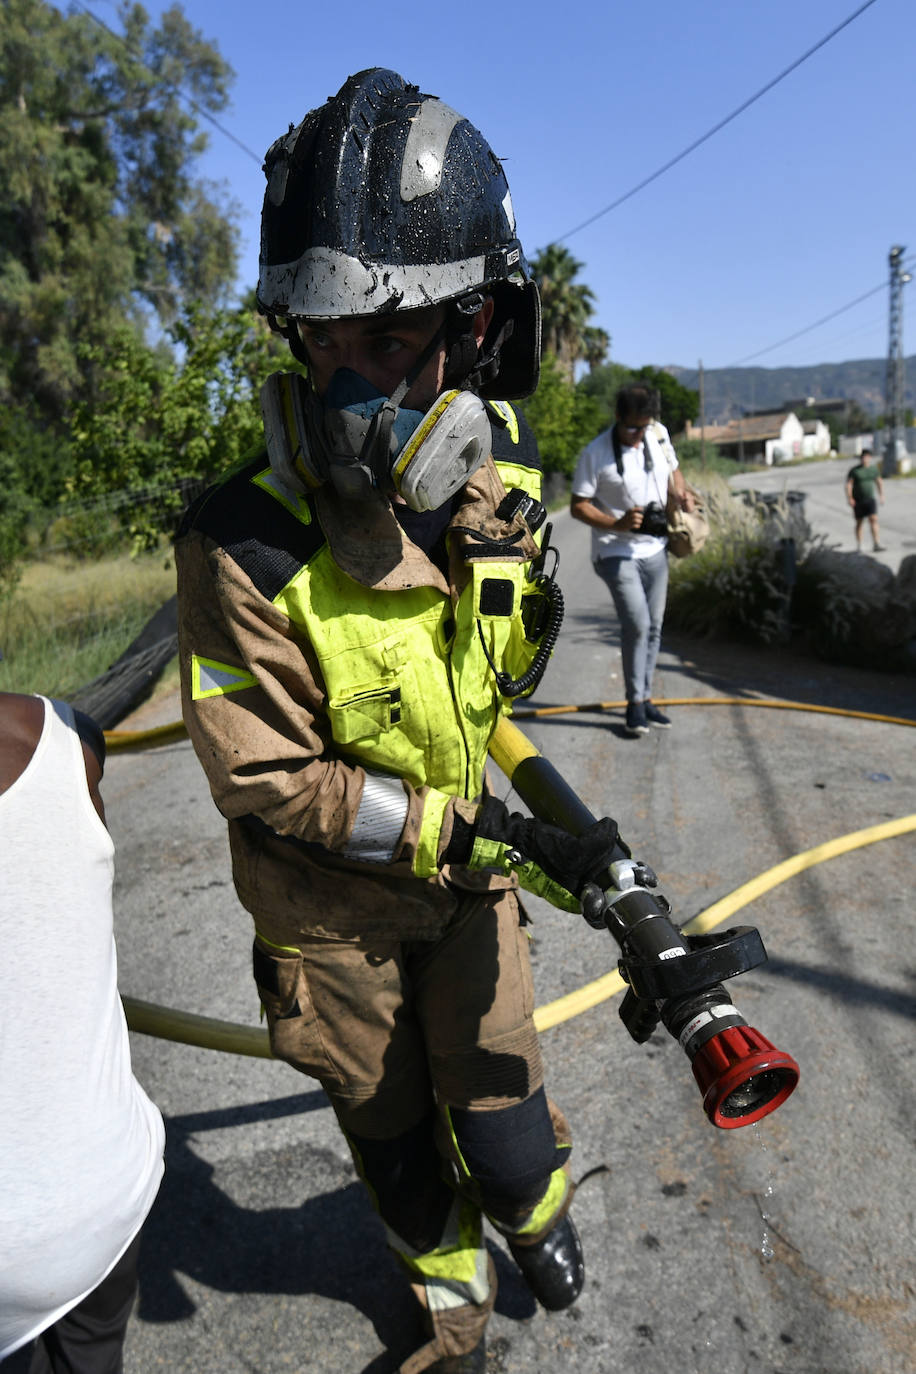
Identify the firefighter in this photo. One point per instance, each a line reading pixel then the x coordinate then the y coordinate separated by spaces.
pixel 357 605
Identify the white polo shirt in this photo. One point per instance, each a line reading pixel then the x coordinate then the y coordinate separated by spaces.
pixel 597 480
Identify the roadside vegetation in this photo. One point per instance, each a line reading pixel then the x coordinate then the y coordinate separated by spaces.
pixel 69 620
pixel 765 577
pixel 131 359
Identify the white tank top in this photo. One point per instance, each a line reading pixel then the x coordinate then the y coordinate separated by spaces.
pixel 80 1142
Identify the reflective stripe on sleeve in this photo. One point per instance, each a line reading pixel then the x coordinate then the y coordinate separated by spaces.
pixel 379 819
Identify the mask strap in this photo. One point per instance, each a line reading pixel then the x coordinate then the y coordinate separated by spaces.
pixel 375 447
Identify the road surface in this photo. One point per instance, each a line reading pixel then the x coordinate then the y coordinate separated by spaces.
pixel 782 1248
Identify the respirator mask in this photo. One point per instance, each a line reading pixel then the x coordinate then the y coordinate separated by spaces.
pixel 361 440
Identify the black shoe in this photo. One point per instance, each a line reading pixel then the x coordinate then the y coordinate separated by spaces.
pixel 655 717
pixel 554 1269
pixel 879 548
pixel 474 1362
pixel 636 719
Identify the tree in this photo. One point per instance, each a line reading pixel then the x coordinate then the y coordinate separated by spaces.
pixel 101 221
pixel 566 305
pixel 595 345
pixel 601 385
pixel 855 420
pixel 166 416
pixel 563 417
pixel 678 403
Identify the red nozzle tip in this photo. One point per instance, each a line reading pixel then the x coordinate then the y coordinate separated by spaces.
pixel 742 1076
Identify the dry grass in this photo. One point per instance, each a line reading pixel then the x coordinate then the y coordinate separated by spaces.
pixel 68 621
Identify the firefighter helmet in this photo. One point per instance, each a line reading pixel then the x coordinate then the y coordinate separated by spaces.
pixel 385 199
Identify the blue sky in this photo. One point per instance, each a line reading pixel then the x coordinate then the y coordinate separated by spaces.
pixel 780 219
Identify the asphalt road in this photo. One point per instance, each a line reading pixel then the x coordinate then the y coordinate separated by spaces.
pixel 781 1248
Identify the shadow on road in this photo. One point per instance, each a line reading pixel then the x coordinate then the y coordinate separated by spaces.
pixel 235 1238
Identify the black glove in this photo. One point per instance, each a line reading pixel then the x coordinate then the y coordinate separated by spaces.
pixel 549 861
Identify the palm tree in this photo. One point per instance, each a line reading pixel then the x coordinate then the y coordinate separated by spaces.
pixel 565 304
pixel 595 345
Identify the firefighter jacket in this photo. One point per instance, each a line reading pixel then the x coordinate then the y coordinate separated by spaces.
pixel 317 641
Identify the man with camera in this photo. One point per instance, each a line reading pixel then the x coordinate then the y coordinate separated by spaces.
pixel 621 486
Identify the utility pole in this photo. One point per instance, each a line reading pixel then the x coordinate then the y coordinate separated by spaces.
pixel 741 435
pixel 702 419
pixel 895 383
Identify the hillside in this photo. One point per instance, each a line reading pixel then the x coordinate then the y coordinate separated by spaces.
pixel 730 391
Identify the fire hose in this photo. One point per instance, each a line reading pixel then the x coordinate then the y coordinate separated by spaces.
pixel 741 1075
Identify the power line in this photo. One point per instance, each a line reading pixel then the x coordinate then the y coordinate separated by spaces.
pixel 715 129
pixel 882 286
pixel 739 362
pixel 198 109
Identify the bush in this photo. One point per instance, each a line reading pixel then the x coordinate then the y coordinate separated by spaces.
pixel 701 461
pixel 853 610
pixel 764 575
pixel 740 583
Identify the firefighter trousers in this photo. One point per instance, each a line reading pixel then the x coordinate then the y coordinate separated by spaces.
pixel 429 1055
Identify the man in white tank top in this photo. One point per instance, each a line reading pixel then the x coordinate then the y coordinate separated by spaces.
pixel 81 1144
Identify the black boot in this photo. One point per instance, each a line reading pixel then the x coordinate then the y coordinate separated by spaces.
pixel 553 1267
pixel 474 1362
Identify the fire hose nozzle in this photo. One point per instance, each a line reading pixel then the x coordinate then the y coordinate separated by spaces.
pixel 742 1076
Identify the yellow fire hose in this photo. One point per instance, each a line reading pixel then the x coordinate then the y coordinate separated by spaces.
pixel 512 751
pixel 771 704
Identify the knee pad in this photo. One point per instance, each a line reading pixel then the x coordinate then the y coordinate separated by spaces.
pixel 510 1153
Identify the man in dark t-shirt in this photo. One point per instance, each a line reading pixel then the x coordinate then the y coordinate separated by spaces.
pixel 864 489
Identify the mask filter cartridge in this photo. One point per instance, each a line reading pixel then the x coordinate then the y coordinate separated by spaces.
pixel 425 457
pixel 359 440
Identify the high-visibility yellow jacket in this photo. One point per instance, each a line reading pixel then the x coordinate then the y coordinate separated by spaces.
pixel 316 640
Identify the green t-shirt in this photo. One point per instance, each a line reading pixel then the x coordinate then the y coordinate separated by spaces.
pixel 864 481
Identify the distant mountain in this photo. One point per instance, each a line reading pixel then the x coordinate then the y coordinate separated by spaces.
pixel 730 391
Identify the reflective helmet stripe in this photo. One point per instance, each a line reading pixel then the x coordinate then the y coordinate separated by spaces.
pixel 424 153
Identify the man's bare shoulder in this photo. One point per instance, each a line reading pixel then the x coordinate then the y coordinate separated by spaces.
pixel 21 721
pixel 21 717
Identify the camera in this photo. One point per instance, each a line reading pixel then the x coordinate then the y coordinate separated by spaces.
pixel 654 520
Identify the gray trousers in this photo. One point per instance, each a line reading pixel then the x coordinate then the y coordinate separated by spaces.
pixel 639 587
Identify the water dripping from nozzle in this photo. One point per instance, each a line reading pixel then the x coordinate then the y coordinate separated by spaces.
pixel 765 1197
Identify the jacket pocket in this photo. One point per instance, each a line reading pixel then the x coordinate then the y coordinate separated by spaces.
pixel 365 714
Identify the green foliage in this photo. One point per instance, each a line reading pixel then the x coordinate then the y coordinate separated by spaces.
pixel 100 219
pixel 157 418
pixel 764 575
pixel 566 306
pixel 563 418
pixel 678 403
pixel 699 460
pixel 740 583
pixel 601 385
pixel 595 345
pixel 33 462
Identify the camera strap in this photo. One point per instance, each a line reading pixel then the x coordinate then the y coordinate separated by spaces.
pixel 648 465
pixel 618 452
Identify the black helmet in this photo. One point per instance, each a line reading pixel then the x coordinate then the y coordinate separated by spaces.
pixel 384 199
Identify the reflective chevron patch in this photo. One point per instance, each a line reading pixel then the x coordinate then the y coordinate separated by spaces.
pixel 294 501
pixel 212 679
